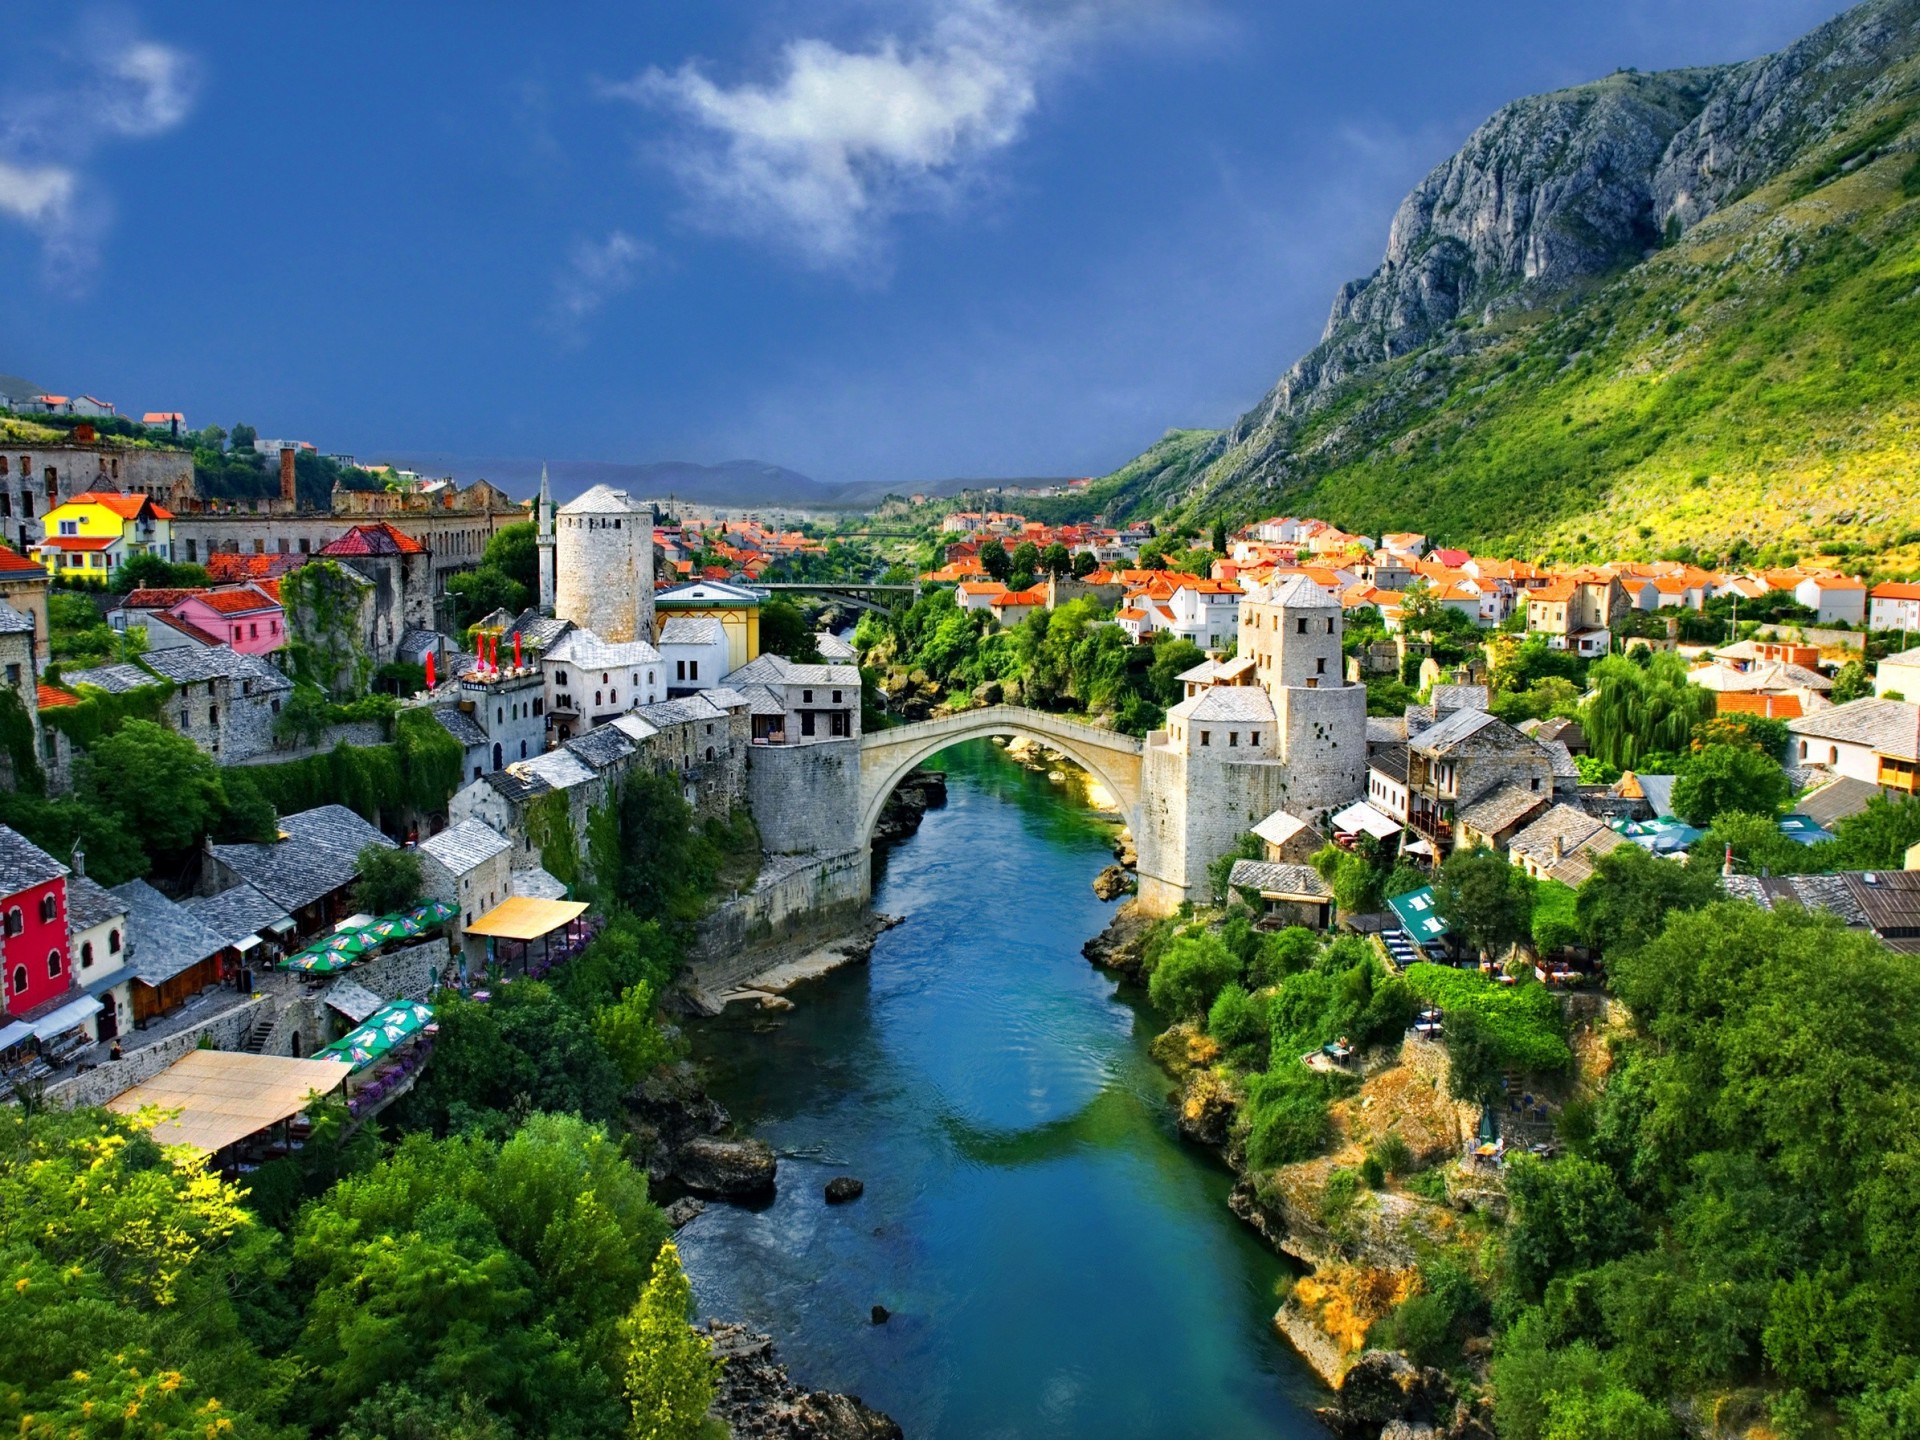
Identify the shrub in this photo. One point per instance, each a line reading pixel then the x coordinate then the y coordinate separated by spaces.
pixel 1729 777
pixel 1239 1020
pixel 1191 974
pixel 1288 1112
pixel 1523 1023
pixel 1283 953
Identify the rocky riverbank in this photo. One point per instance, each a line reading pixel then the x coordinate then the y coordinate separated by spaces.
pixel 758 1398
pixel 907 806
pixel 1360 1257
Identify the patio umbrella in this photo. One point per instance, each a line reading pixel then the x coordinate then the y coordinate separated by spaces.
pixel 393 927
pixel 432 912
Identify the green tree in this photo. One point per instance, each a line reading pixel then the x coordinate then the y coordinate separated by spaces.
pixel 515 552
pixel 1637 710
pixel 784 631
pixel 389 880
pixel 671 1371
pixel 478 593
pixel 148 571
pixel 631 1036
pixel 1729 777
pixel 1191 974
pixel 1084 564
pixel 1055 560
pixel 160 785
pixel 1219 540
pixel 1025 559
pixel 994 560
pixel 1631 893
pixel 1485 900
pixel 1852 681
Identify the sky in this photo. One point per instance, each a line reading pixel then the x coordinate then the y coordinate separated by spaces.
pixel 871 240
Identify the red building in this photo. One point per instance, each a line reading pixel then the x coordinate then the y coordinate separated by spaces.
pixel 33 924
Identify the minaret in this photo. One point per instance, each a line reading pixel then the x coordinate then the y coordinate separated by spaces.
pixel 544 506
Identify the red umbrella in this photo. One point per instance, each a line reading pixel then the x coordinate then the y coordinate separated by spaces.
pixel 429 669
pixel 516 649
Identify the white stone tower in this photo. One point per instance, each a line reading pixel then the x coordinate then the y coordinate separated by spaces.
pixel 603 545
pixel 1320 720
pixel 543 512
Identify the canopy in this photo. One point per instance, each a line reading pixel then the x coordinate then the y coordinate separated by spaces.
pixel 14 1033
pixel 351 941
pixel 523 918
pixel 223 1096
pixel 1417 913
pixel 392 1024
pixel 73 1013
pixel 1362 817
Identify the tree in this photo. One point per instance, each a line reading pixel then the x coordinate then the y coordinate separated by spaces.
pixel 1638 710
pixel 1852 681
pixel 148 571
pixel 1484 899
pixel 161 785
pixel 515 552
pixel 478 593
pixel 784 631
pixel 243 436
pixel 1084 564
pixel 1055 560
pixel 1631 893
pixel 1025 559
pixel 631 1036
pixel 994 560
pixel 389 880
pixel 1219 537
pixel 1191 974
pixel 1729 777
pixel 671 1371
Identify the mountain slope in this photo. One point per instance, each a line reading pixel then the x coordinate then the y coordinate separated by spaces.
pixel 1654 311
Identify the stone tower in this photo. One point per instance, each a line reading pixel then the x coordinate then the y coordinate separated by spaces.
pixel 543 513
pixel 1287 734
pixel 603 552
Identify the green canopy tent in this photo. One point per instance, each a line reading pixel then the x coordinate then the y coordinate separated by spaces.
pixel 337 952
pixel 391 1025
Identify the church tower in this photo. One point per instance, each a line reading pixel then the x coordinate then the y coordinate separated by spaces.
pixel 544 514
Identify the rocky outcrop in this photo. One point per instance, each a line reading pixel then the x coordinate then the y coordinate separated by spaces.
pixel 907 806
pixel 1113 882
pixel 1117 947
pixel 734 1169
pixel 756 1396
pixel 1385 1396
pixel 843 1188
pixel 665 1112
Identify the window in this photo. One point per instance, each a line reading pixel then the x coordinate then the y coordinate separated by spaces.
pixel 276 707
pixel 1233 738
pixel 1300 626
pixel 806 697
pixel 86 955
pixel 305 546
pixel 19 979
pixel 693 669
pixel 679 669
pixel 1320 666
pixel 1206 737
pixel 613 697
pixel 539 705
pixel 69 527
pixel 709 752
pixel 1536 783
pixel 13 674
pixel 1254 738
pixel 1329 625
pixel 236 632
pixel 1833 754
pixel 560 678
pixel 113 942
pixel 53 964
pixel 806 722
pixel 49 907
pixel 184 721
pixel 213 714
pixel 596 697
pixel 1803 749
pixel 253 631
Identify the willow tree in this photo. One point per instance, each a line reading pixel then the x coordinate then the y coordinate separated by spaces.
pixel 1637 710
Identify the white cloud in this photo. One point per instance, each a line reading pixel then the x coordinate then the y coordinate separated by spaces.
pixel 105 88
pixel 820 157
pixel 595 272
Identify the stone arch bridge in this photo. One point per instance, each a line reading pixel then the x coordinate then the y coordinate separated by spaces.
pixel 887 755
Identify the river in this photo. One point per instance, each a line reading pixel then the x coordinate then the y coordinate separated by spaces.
pixel 1057 1263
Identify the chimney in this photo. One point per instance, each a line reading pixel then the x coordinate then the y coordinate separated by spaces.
pixel 1559 849
pixel 287 492
pixel 79 865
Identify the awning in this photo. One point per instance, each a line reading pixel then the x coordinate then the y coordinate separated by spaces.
pixel 223 1096
pixel 353 1000
pixel 66 1017
pixel 1362 818
pixel 521 918
pixel 16 1033
pixel 283 926
pixel 393 1024
pixel 247 944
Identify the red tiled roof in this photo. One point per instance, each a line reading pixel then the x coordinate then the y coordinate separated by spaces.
pixel 156 599
pixel 12 562
pixel 1896 590
pixel 376 539
pixel 186 628
pixel 127 507
pixel 77 542
pixel 235 602
pixel 52 699
pixel 228 568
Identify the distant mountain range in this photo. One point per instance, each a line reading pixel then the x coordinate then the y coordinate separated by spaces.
pixel 744 483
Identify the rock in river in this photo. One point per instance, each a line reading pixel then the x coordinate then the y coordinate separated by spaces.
pixel 725 1167
pixel 1113 882
pixel 756 1396
pixel 843 1188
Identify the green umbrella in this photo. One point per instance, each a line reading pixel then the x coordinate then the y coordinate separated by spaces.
pixel 434 912
pixel 392 1024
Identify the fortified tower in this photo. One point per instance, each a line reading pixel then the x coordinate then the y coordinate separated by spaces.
pixel 543 508
pixel 603 546
pixel 1276 729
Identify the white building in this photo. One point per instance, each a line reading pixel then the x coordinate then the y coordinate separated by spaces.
pixel 590 681
pixel 799 704
pixel 1898 676
pixel 693 653
pixel 1870 739
pixel 1207 612
pixel 466 865
pixel 97 945
pixel 1895 606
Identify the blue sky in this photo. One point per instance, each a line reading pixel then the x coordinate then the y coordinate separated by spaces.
pixel 871 240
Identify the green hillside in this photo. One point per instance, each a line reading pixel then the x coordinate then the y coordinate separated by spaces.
pixel 1749 387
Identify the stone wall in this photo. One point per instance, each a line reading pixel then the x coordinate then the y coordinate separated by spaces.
pixel 409 974
pixel 794 901
pixel 228 1030
pixel 806 798
pixel 1323 739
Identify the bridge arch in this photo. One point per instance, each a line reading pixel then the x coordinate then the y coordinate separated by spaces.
pixel 886 756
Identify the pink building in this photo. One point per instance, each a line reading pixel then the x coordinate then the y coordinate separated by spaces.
pixel 245 617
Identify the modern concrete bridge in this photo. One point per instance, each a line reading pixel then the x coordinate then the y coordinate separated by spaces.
pixel 887 755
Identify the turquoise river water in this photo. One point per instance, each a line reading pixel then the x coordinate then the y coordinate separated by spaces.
pixel 1057 1263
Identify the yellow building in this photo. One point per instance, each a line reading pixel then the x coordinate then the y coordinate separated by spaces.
pixel 92 533
pixel 734 606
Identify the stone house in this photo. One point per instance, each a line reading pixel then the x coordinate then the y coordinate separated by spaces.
pixel 172 956
pixel 618 676
pixel 1467 756
pixel 799 704
pixel 1562 845
pixel 694 653
pixel 1286 839
pixel 307 871
pixel 223 701
pixel 23 585
pixel 401 586
pixel 1578 612
pixel 1868 739
pixel 466 865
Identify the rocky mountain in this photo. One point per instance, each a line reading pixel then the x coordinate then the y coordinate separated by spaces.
pixel 1641 291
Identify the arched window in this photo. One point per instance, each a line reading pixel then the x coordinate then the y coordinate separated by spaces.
pixel 1833 754
pixel 49 907
pixel 19 979
pixel 498 757
pixel 53 964
pixel 1803 749
pixel 113 942
pixel 16 922
pixel 709 752
pixel 86 954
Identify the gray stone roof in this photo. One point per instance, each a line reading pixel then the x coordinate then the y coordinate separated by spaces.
pixel 352 999
pixel 605 500
pixel 12 622
pixel 235 914
pixel 416 644
pixel 1386 729
pixel 114 679
pixel 465 846
pixel 319 855
pixel 725 696
pixel 162 938
pixel 1501 807
pixel 462 726
pixel 90 904
pixel 185 664
pixel 1576 869
pixel 590 652
pixel 516 788
pixel 1298 592
pixel 1844 797
pixel 1572 825
pixel 685 710
pixel 1449 698
pixel 778 670
pixel 533 883
pixel 831 647
pixel 1227 703
pixel 559 769
pixel 1457 728
pixel 24 864
pixel 601 747
pixel 539 632
pixel 762 701
pixel 692 630
pixel 699 592
pixel 1810 892
pixel 1286 881
pixel 1889 727
pixel 1390 761
pixel 1560 758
